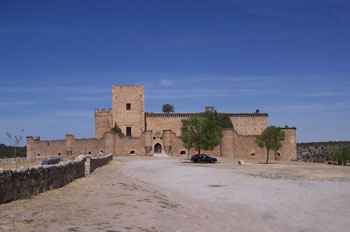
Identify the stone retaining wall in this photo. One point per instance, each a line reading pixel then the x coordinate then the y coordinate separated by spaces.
pixel 96 162
pixel 37 179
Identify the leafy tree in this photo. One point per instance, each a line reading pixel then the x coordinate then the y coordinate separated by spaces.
pixel 117 130
pixel 271 139
pixel 16 140
pixel 186 135
pixel 342 156
pixel 201 132
pixel 168 108
pixel 223 120
pixel 7 151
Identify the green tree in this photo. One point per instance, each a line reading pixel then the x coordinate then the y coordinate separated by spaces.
pixel 117 130
pixel 15 139
pixel 223 120
pixel 342 156
pixel 271 139
pixel 168 108
pixel 186 135
pixel 201 132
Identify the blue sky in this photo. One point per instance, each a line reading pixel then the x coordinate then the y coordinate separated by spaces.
pixel 289 58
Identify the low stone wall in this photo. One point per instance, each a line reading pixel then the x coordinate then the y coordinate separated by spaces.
pixel 37 179
pixel 96 162
pixel 13 160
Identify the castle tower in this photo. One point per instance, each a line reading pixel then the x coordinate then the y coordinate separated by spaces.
pixel 103 122
pixel 128 109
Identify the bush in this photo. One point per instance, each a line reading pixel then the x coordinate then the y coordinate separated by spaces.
pixel 342 156
pixel 117 130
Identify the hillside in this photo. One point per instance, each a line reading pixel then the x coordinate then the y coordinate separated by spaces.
pixel 319 151
pixel 8 151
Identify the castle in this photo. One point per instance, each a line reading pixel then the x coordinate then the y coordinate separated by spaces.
pixel 151 133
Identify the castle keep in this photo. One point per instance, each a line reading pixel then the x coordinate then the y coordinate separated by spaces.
pixel 151 133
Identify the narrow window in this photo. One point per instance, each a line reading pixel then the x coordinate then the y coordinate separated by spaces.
pixel 128 106
pixel 128 131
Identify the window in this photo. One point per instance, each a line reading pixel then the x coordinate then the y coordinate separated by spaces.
pixel 252 154
pixel 132 152
pixel 128 106
pixel 59 153
pixel 182 152
pixel 278 154
pixel 128 131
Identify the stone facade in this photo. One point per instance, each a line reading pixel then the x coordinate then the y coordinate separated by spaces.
pixel 150 133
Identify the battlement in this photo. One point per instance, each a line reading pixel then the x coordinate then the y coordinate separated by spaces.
pixel 35 138
pixel 103 111
pixel 188 115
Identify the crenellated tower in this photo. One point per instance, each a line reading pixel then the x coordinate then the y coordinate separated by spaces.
pixel 103 122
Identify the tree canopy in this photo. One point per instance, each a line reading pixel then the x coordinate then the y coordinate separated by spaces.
pixel 168 108
pixel 223 120
pixel 202 132
pixel 271 139
pixel 342 156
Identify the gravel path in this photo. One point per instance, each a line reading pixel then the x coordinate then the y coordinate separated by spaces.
pixel 153 195
pixel 254 198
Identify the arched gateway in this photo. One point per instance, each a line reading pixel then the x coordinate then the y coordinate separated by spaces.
pixel 157 148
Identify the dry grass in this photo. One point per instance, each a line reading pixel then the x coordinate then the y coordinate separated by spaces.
pixel 13 165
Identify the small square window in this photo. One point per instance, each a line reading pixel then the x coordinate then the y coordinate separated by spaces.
pixel 128 106
pixel 128 131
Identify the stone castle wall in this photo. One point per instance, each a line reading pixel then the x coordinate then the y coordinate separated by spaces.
pixel 103 122
pixel 68 147
pixel 232 145
pixel 134 117
pixel 244 124
pixel 244 146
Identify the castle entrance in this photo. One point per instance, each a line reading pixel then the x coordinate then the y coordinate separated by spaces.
pixel 157 148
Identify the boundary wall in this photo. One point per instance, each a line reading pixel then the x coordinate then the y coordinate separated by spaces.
pixel 38 179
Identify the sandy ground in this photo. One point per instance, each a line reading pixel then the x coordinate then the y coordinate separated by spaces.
pixel 172 194
pixel 6 166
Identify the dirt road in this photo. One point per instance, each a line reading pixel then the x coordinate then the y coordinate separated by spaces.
pixel 170 194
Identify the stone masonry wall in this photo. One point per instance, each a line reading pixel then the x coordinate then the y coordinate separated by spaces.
pixel 96 162
pixel 130 145
pixel 134 117
pixel 38 179
pixel 37 148
pixel 244 124
pixel 42 178
pixel 103 122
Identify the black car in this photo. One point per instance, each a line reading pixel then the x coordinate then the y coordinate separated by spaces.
pixel 203 158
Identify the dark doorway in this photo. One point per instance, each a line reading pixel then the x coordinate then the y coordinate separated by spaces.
pixel 157 148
